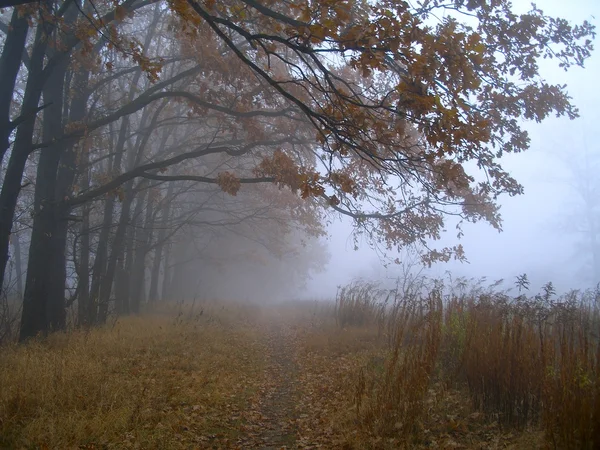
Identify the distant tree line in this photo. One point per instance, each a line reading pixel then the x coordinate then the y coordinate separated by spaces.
pixel 140 137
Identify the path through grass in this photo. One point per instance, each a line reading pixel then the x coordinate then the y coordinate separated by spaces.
pixel 231 376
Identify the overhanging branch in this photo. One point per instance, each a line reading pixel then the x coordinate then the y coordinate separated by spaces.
pixel 201 179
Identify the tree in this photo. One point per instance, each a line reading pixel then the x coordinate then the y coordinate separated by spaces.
pixel 367 109
pixel 7 3
pixel 400 101
pixel 582 213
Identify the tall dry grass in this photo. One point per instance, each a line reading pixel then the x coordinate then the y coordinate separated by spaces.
pixel 397 400
pixel 527 362
pixel 502 361
pixel 533 361
pixel 360 303
pixel 571 413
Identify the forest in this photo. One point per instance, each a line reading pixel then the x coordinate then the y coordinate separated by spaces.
pixel 170 172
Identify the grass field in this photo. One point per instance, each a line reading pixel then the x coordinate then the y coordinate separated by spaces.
pixel 461 372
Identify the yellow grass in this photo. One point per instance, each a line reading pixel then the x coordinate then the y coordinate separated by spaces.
pixel 474 373
pixel 160 381
pixel 470 373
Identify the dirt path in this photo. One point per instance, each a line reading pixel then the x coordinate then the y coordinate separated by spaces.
pixel 273 424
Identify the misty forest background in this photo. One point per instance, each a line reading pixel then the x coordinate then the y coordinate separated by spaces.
pixel 181 180
pixel 135 179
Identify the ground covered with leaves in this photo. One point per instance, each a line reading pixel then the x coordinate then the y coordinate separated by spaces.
pixel 227 376
pixel 334 362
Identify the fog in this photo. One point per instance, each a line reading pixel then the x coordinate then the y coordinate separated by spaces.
pixel 177 168
pixel 299 224
pixel 536 237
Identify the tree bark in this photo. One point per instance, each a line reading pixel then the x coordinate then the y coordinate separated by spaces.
pixel 43 301
pixel 83 301
pixel 10 62
pixel 158 252
pixel 18 263
pixel 138 278
pixel 117 252
pixel 22 146
pixel 46 274
pixel 166 285
pixel 103 272
pixel 101 261
pixel 125 260
pixel 79 107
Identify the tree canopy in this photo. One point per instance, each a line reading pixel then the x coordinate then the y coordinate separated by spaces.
pixel 400 99
pixel 392 113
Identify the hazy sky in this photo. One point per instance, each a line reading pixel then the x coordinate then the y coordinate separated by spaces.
pixel 531 241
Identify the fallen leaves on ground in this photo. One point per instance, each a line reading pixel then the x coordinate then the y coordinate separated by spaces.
pixel 233 377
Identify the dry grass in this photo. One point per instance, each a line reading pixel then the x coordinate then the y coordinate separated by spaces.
pixel 571 391
pixel 329 361
pixel 398 400
pixel 173 380
pixel 502 363
pixel 533 362
pixel 477 370
pixel 360 303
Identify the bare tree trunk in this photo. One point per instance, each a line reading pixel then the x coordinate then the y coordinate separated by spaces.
pixel 10 62
pixel 16 242
pixel 125 254
pixel 158 252
pixel 118 249
pixel 176 290
pixel 11 186
pixel 122 271
pixel 46 273
pixel 43 301
pixel 166 285
pixel 101 261
pixel 83 301
pixel 103 273
pixel 139 262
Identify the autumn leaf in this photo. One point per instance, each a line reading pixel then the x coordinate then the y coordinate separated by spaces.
pixel 120 13
pixel 228 182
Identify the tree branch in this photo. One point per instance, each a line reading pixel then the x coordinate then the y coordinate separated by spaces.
pixel 200 179
pixel 143 169
pixel 274 14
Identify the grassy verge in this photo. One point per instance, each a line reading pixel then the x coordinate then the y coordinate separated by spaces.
pixel 174 380
pixel 472 371
pixel 479 370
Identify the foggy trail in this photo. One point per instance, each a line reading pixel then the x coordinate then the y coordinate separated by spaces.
pixel 275 424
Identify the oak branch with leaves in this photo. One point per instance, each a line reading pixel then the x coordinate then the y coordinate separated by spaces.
pixel 393 113
pixel 400 100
